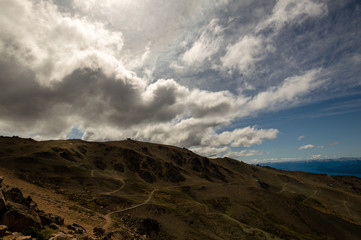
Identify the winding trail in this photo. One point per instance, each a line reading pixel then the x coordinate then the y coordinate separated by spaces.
pixel 116 190
pixel 246 228
pixel 311 196
pixel 108 219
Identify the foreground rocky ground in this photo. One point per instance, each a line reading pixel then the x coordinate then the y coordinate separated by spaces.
pixel 21 219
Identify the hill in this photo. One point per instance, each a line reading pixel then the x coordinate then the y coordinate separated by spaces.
pixel 165 192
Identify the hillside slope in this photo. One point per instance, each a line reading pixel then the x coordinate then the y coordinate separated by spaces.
pixel 165 192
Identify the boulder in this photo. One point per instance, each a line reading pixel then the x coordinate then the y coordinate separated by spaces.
pixel 18 217
pixel 62 236
pixel 16 236
pixel 15 195
pixel 48 218
pixel 98 231
pixel 3 229
pixel 76 228
pixel 24 238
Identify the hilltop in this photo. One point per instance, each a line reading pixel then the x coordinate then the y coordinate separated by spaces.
pixel 165 192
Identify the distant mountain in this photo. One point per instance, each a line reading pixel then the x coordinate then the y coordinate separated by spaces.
pixel 340 166
pixel 125 189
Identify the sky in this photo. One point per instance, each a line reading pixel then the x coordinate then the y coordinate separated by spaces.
pixel 255 80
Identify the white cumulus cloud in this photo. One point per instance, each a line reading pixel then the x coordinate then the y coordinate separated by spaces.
pixel 54 44
pixel 308 146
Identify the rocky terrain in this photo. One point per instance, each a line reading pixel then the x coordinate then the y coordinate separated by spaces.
pixel 135 190
pixel 22 220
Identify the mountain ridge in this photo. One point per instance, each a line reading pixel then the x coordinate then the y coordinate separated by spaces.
pixel 166 192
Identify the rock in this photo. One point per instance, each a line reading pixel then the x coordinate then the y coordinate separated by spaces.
pixel 15 195
pixel 45 218
pixel 24 238
pixel 70 227
pixel 53 226
pixel 3 205
pixel 1 180
pixel 98 231
pixel 18 217
pixel 16 236
pixel 82 237
pixel 3 229
pixel 48 218
pixel 62 236
pixel 79 228
pixel 58 220
pixel 76 228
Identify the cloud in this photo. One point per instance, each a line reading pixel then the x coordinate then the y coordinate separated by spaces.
pixel 271 160
pixel 224 152
pixel 205 46
pixel 288 92
pixel 308 146
pixel 301 137
pixel 243 153
pixel 244 137
pixel 255 46
pixel 106 108
pixel 210 151
pixel 147 25
pixel 53 44
pixel 245 53
pixel 61 71
pixel 289 11
pixel 334 143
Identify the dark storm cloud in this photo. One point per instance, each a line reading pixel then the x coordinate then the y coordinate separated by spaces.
pixel 92 101
pixel 85 93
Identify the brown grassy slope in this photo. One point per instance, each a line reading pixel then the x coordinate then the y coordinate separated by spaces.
pixel 171 193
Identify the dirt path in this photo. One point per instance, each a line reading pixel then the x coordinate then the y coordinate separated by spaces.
pixel 345 205
pixel 114 191
pixel 108 219
pixel 51 202
pixel 245 227
pixel 283 188
pixel 311 196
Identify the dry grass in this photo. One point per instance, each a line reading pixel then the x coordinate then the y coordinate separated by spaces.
pixel 188 196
